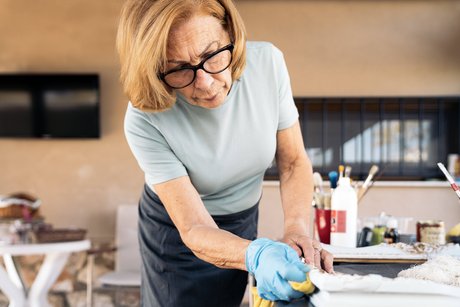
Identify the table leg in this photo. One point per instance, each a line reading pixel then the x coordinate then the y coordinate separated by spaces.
pixel 89 280
pixel 13 272
pixel 15 295
pixel 49 272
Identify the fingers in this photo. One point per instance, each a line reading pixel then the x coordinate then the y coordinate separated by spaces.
pixel 285 290
pixel 303 267
pixel 273 264
pixel 281 290
pixel 308 250
pixel 327 261
pixel 266 294
pixel 294 271
pixel 297 249
pixel 312 251
pixel 318 257
pixel 279 287
pixel 321 258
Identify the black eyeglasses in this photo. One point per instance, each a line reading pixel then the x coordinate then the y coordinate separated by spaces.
pixel 216 62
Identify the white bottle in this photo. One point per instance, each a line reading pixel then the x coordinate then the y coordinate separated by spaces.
pixel 344 214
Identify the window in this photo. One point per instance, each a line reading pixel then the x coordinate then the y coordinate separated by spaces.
pixel 405 137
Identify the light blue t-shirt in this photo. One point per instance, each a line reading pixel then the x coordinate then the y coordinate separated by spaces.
pixel 226 150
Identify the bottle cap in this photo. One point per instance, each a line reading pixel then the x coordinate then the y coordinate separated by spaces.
pixel 392 223
pixel 369 224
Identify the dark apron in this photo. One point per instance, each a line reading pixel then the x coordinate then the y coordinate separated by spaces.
pixel 172 276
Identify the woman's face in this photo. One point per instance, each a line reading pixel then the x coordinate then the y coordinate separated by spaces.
pixel 189 43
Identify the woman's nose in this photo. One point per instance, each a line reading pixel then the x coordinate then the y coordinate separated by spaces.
pixel 203 79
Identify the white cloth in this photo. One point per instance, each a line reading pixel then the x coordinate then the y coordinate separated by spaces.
pixel 441 269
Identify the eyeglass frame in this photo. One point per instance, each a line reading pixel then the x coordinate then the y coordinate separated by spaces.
pixel 195 68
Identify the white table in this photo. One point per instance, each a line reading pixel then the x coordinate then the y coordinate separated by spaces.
pixel 56 255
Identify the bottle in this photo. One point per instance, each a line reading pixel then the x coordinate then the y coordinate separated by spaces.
pixel 391 234
pixel 377 234
pixel 457 169
pixel 365 236
pixel 344 214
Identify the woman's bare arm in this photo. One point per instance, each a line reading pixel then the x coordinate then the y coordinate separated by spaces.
pixel 296 184
pixel 197 229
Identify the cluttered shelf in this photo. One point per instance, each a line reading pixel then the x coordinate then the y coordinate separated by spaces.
pixel 396 184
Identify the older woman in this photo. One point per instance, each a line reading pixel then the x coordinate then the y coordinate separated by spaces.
pixel 208 112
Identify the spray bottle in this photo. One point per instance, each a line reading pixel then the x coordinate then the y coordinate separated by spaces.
pixel 344 214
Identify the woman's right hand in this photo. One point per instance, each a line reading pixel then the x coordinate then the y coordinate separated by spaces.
pixel 274 264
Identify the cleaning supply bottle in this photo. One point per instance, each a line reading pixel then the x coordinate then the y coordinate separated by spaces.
pixel 344 214
pixel 379 229
pixel 365 236
pixel 391 235
pixel 378 233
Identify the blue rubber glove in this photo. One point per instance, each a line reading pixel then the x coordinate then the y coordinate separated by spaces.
pixel 274 264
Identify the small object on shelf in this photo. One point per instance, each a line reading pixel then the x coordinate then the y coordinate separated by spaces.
pixel 377 234
pixel 391 234
pixel 365 236
pixel 453 235
pixel 431 231
pixel 323 225
pixel 453 239
pixel 333 177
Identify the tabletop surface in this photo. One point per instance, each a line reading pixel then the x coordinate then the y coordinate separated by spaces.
pixel 45 248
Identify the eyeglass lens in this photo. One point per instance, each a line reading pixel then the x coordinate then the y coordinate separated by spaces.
pixel 213 65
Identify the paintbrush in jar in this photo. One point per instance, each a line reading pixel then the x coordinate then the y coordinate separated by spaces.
pixel 367 183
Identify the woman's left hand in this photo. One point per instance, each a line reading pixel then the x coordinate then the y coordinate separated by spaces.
pixel 311 250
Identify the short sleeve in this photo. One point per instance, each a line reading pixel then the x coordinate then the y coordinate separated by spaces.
pixel 150 148
pixel 288 113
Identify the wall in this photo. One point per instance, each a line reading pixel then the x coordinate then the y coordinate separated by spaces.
pixel 358 48
pixel 80 181
pixel 331 48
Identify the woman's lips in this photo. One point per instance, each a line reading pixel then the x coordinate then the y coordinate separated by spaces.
pixel 212 98
pixel 209 99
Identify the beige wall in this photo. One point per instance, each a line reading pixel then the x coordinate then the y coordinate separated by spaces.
pixel 80 181
pixel 331 48
pixel 343 47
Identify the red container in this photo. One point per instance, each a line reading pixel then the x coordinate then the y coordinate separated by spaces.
pixel 323 225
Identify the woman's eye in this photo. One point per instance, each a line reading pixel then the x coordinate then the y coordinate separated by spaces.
pixel 175 68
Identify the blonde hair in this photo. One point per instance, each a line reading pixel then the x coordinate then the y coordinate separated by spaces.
pixel 142 44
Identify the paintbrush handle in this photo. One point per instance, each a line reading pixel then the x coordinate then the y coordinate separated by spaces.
pixel 367 181
pixel 450 179
pixel 446 173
